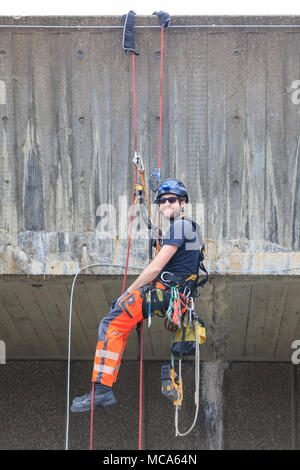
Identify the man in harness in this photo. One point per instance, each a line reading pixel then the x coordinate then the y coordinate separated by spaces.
pixel 176 264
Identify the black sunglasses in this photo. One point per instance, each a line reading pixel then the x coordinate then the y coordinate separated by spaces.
pixel 171 200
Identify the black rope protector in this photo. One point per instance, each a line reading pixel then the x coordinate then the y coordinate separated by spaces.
pixel 128 33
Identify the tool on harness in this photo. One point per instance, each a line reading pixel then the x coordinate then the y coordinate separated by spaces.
pixel 169 387
pixel 138 194
pixel 128 43
pixel 172 387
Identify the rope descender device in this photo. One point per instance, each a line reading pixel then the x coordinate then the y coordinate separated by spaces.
pixel 138 161
pixel 139 165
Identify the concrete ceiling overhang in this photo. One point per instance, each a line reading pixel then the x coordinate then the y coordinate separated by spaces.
pixel 247 317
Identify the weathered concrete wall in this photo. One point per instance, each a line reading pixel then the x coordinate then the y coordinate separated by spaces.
pixel 246 318
pixel 242 406
pixel 230 131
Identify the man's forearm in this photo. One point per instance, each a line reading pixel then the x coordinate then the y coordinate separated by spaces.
pixel 155 267
pixel 149 273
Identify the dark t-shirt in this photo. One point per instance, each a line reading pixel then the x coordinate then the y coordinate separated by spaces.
pixel 189 240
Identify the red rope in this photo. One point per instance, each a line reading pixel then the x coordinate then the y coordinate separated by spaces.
pixel 160 102
pixel 130 231
pixel 159 164
pixel 134 103
pixel 141 388
pixel 133 196
pixel 141 326
pixel 129 239
pixel 161 88
pixel 92 413
pixel 127 258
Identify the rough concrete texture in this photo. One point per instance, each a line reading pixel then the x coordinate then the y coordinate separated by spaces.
pixel 257 406
pixel 243 406
pixel 32 411
pixel 246 318
pixel 230 131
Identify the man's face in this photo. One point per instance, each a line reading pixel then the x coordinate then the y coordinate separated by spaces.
pixel 170 210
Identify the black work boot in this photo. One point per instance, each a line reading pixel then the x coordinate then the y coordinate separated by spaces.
pixel 103 396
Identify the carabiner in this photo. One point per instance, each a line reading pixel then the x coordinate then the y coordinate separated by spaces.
pixel 138 161
pixel 162 276
pixel 188 290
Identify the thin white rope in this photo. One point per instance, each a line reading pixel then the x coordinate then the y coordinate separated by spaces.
pixel 197 386
pixel 69 340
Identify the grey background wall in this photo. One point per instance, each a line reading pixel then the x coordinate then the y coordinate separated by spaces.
pixel 242 406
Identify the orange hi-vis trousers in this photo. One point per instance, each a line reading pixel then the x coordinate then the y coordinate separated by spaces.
pixel 113 332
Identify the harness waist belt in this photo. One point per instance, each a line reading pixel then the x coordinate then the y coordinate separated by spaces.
pixel 169 279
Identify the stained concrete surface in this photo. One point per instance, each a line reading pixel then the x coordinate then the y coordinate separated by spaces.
pixel 246 317
pixel 257 406
pixel 230 131
pixel 242 406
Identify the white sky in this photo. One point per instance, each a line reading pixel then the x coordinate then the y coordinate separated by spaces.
pixel 147 7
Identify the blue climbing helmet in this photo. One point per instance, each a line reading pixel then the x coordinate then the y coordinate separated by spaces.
pixel 172 186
